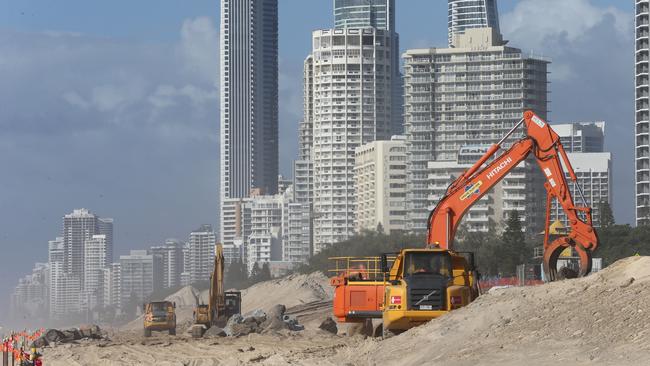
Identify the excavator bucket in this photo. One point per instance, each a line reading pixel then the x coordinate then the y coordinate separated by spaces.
pixel 552 253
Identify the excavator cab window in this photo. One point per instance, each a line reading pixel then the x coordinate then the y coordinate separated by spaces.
pixel 428 263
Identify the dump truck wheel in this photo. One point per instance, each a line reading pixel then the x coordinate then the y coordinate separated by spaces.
pixel 147 333
pixel 386 333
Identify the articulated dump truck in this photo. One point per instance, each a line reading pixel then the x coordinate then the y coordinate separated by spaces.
pixel 403 289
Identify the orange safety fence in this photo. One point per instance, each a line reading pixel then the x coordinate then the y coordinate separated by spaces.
pixel 15 343
pixel 487 284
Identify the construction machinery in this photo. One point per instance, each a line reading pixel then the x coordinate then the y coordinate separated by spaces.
pixel 159 316
pixel 221 304
pixel 449 281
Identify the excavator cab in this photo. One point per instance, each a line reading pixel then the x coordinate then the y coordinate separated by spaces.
pixel 233 303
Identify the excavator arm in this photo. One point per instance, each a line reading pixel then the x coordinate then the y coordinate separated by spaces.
pixel 217 301
pixel 474 183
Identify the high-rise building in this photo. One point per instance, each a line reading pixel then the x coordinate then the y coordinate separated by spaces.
pixel 378 14
pixel 642 109
pixel 172 261
pixel 249 97
pixel 584 143
pixel 468 14
pixel 380 185
pixel 296 231
pixel 141 275
pixel 594 173
pixel 352 86
pixel 112 285
pixel 582 137
pixel 56 261
pixel 79 226
pixel 264 247
pixel 30 296
pixel 236 223
pixel 457 97
pixel 95 261
pixel 202 242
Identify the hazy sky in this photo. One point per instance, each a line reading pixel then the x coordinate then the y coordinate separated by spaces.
pixel 113 105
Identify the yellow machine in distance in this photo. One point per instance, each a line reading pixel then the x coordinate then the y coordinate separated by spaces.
pixel 159 316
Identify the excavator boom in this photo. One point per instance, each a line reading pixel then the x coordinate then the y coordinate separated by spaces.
pixel 545 144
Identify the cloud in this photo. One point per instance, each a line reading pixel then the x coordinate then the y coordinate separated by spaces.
pixel 591 74
pixel 128 129
pixel 200 48
pixel 537 23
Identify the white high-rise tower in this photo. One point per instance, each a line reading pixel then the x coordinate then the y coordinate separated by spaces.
pixel 249 97
pixel 642 119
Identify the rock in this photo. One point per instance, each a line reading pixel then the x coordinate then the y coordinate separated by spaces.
pixel 277 311
pixel 329 325
pixel 91 332
pixel 54 335
pixel 215 332
pixel 40 342
pixel 72 334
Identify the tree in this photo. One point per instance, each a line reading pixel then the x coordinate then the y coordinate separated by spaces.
pixel 606 215
pixel 236 275
pixel 380 228
pixel 513 249
pixel 265 274
pixel 256 274
pixel 484 245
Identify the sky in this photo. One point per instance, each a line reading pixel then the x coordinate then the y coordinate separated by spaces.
pixel 113 105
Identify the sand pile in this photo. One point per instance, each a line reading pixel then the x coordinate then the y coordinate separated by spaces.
pixel 290 291
pixel 601 319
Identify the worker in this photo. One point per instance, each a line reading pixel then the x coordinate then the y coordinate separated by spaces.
pixel 35 358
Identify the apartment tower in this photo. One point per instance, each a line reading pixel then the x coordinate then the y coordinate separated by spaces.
pixel 249 97
pixel 642 122
pixel 467 14
pixel 467 96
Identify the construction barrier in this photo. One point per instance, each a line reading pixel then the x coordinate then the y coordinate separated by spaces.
pixel 13 347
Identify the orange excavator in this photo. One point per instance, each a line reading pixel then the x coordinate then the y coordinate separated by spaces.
pixel 422 284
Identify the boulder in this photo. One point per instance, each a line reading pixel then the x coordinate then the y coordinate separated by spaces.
pixel 215 332
pixel 91 332
pixel 40 342
pixel 329 325
pixel 54 335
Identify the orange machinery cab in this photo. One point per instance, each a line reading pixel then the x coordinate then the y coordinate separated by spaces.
pixel 358 288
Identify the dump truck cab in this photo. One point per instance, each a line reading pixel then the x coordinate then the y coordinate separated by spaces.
pixel 159 316
pixel 423 284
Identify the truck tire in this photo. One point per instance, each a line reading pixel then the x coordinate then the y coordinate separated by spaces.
pixel 172 331
pixel 147 332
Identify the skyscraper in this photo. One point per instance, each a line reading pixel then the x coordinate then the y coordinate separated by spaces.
pixel 202 242
pixel 378 14
pixel 78 227
pixel 466 96
pixel 352 98
pixel 642 121
pixel 466 14
pixel 249 97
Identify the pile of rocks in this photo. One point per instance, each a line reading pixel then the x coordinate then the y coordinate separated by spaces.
pixel 257 321
pixel 53 336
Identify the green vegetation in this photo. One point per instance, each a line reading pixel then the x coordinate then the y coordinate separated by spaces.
pixel 367 243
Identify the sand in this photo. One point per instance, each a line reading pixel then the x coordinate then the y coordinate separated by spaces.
pixel 603 319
